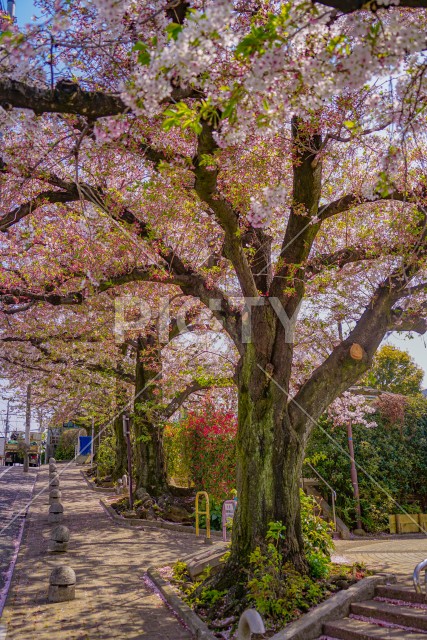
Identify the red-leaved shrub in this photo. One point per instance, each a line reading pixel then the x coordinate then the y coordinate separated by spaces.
pixel 202 447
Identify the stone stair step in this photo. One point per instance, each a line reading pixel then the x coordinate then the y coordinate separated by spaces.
pixel 351 629
pixel 400 592
pixel 401 615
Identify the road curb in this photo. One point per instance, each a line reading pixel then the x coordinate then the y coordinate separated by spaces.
pixel 183 611
pixel 153 524
pixel 95 488
pixel 310 625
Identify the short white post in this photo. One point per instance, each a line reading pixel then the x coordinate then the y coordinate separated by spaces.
pixel 250 622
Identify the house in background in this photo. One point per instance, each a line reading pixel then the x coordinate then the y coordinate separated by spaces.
pixel 54 436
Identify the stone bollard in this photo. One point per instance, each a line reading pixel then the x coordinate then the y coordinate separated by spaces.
pixel 54 496
pixel 52 468
pixel 56 513
pixel 52 461
pixel 62 584
pixel 54 481
pixel 119 486
pixel 59 539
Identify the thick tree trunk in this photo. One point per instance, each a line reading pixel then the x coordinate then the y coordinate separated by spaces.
pixel 149 454
pixel 269 458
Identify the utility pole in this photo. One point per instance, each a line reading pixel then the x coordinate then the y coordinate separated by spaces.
pixel 354 479
pixel 27 429
pixel 92 443
pixel 7 420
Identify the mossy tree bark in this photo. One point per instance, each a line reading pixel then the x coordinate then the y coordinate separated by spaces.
pixel 151 412
pixel 120 465
pixel 148 430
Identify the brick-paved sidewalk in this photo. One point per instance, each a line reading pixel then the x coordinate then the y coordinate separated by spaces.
pixel 397 555
pixel 111 598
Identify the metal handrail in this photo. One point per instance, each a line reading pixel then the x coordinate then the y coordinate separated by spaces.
pixel 333 493
pixel 416 576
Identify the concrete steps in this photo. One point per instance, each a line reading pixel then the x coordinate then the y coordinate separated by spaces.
pixel 350 629
pixel 395 613
pixel 400 592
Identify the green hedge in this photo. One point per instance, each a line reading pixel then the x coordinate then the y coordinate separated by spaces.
pixel 394 458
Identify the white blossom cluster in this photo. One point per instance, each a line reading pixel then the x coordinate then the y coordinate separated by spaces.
pixel 351 408
pixel 112 11
pixel 110 129
pixel 299 73
pixel 187 60
pixel 286 78
pixel 273 199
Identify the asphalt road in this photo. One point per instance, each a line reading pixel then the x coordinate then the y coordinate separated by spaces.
pixel 15 493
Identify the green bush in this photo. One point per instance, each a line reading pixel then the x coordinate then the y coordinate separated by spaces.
pixel 275 588
pixel 105 455
pixel 316 533
pixel 394 462
pixel 67 445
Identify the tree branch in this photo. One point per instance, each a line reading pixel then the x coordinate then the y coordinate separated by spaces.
pixel 192 387
pixel 181 274
pixel 45 197
pixel 339 371
pixel 68 97
pixel 348 255
pixel 207 189
pixel 303 225
pixel 347 202
pixel 350 6
pixel 402 320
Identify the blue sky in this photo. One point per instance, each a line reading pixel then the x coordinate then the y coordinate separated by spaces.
pixel 24 10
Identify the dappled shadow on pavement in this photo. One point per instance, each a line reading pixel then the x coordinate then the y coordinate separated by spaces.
pixel 392 555
pixel 112 600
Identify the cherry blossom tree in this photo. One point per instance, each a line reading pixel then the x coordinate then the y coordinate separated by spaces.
pixel 266 159
pixel 345 411
pixel 77 379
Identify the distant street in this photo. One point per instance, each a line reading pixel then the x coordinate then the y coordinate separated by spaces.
pixel 15 492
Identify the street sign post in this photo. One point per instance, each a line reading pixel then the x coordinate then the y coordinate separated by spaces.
pixel 126 432
pixel 228 509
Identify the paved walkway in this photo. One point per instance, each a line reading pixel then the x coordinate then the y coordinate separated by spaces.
pixel 396 555
pixel 112 600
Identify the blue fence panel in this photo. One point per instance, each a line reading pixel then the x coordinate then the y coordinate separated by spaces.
pixel 85 445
